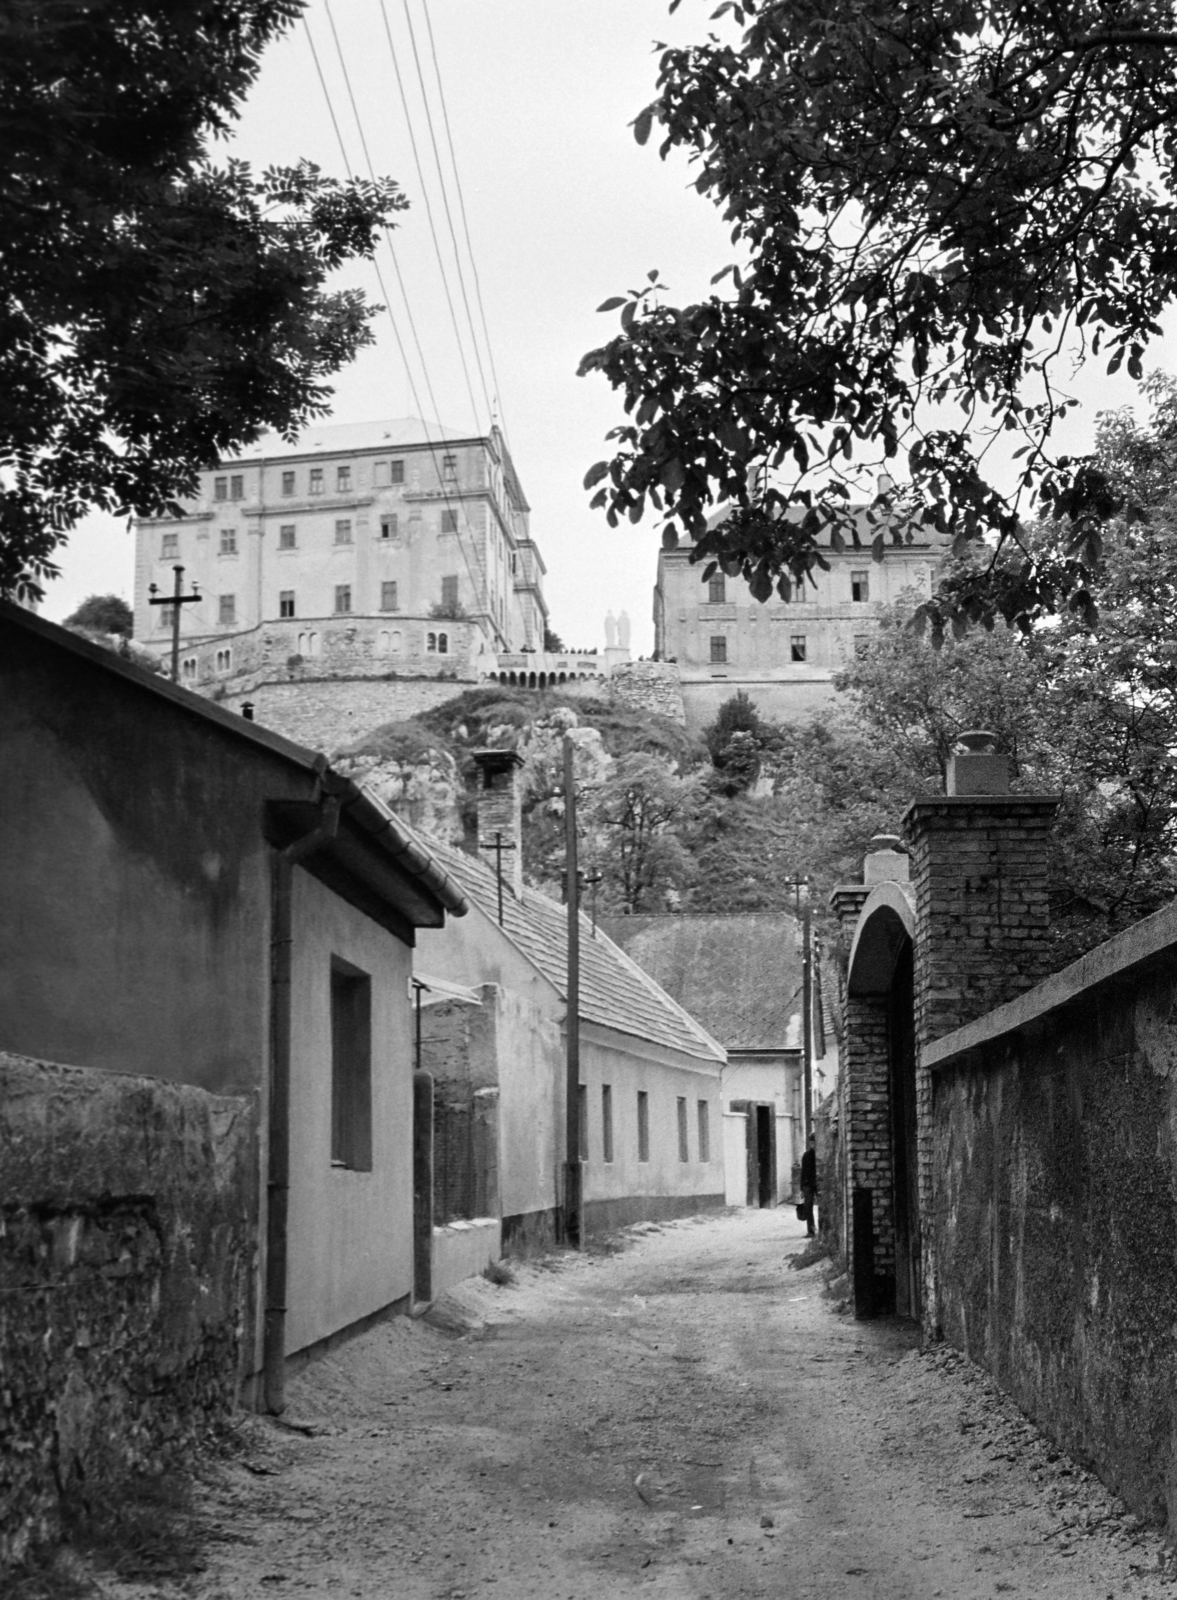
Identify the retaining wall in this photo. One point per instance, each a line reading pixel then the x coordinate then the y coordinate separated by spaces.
pixel 126 1253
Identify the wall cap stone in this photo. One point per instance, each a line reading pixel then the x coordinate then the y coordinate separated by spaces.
pixel 1148 941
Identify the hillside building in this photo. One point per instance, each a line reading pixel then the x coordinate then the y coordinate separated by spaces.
pixel 364 549
pixel 783 654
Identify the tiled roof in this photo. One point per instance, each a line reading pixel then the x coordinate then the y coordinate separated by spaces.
pixel 741 972
pixel 614 991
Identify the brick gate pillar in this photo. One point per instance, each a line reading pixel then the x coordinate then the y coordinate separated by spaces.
pixel 982 923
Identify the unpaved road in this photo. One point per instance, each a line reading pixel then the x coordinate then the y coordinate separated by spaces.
pixel 688 1419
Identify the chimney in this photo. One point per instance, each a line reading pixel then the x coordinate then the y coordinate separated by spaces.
pixel 978 867
pixel 500 811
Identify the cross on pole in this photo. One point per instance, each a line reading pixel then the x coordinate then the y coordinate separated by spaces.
pixel 176 599
pixel 498 845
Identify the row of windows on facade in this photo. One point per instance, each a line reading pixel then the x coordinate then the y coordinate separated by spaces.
pixel 859 588
pixel 287 606
pixel 351 1087
pixel 386 643
pixel 798 647
pixel 702 1126
pixel 288 535
pixel 384 474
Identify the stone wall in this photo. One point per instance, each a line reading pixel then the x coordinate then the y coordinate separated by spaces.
pixel 1055 1206
pixel 126 1251
pixel 329 715
pixel 649 686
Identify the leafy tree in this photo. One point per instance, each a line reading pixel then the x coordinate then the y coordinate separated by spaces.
pixel 638 810
pixel 553 643
pixel 737 715
pixel 156 311
pixel 103 613
pixel 933 203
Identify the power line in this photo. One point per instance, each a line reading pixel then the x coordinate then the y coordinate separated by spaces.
pixel 465 223
pixel 482 582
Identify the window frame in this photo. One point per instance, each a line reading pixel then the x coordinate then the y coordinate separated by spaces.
pixel 798 648
pixel 719 650
pixel 643 1114
pixel 342 593
pixel 607 1122
pixel 704 1130
pixel 286 597
pixel 289 481
pixel 344 534
pixel 237 486
pixel 684 1135
pixel 228 542
pixel 388 587
pixel 290 528
pixel 351 1066
pixel 227 610
pixel 717 590
pixel 860 580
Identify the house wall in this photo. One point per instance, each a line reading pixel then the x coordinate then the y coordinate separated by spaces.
pixel 1055 1206
pixel 350 1233
pixel 777 1083
pixel 131 850
pixel 125 1254
pixel 626 1189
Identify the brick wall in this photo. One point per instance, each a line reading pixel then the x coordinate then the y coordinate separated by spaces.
pixel 126 1249
pixel 868 1136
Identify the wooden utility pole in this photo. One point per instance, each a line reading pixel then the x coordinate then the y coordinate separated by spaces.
pixel 572 1164
pixel 176 599
pixel 799 886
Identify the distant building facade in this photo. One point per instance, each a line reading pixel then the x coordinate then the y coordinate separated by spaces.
pixel 783 654
pixel 365 549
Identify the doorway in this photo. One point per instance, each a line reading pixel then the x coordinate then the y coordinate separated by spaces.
pixel 760 1148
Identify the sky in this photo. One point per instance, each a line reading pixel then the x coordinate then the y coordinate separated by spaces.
pixel 563 208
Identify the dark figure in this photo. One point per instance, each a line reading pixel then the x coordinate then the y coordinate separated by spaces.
pixel 809 1183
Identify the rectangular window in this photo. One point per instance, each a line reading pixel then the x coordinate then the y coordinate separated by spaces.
pixel 388 597
pixel 717 590
pixel 388 526
pixel 582 1120
pixel 166 616
pixel 286 603
pixel 288 483
pixel 343 531
pixel 237 488
pixel 227 608
pixel 342 598
pixel 449 468
pixel 704 1131
pixel 220 488
pixel 643 1125
pixel 228 541
pixel 449 592
pixel 606 1122
pixel 797 647
pixel 684 1148
pixel 351 1067
pixel 286 536
pixel 343 480
pixel 396 471
pixel 449 522
pixel 316 483
pixel 860 586
pixel 170 545
pixel 718 649
pixel 380 474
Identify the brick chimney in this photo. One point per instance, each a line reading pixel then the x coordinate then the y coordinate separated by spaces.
pixel 978 867
pixel 500 811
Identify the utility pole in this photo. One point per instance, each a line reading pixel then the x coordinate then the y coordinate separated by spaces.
pixel 572 1164
pixel 496 844
pixel 803 910
pixel 176 599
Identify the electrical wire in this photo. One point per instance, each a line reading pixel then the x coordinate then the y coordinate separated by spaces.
pixel 481 584
pixel 465 223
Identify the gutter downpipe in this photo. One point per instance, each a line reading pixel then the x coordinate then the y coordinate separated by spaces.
pixel 278 1155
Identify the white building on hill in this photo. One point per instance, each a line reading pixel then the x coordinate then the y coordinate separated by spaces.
pixel 366 548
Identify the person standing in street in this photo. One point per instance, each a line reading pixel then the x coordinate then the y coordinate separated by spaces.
pixel 809 1184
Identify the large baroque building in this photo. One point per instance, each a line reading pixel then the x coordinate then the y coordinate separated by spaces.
pixel 783 654
pixel 376 547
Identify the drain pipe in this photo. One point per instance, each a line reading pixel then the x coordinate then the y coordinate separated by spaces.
pixel 278 1154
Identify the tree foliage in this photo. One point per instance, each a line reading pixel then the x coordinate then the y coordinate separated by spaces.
pixel 639 810
pixel 156 311
pixel 103 613
pixel 935 204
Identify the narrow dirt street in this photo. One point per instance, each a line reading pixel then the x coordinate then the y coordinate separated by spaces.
pixel 686 1419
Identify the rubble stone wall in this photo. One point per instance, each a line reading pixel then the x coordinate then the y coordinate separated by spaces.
pixel 126 1254
pixel 1055 1207
pixel 329 715
pixel 649 686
